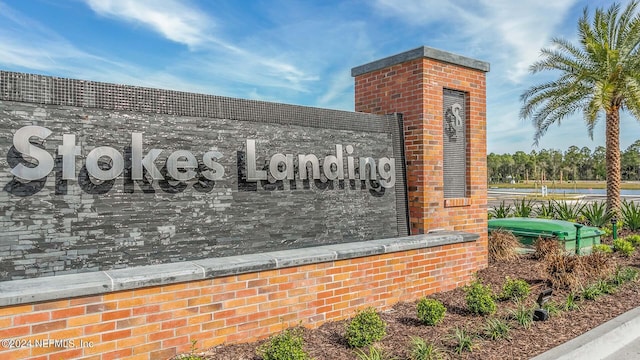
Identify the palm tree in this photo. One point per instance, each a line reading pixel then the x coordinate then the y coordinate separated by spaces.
pixel 601 74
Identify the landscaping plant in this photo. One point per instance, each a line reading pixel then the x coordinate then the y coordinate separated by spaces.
pixel 288 345
pixel 463 340
pixel 623 247
pixel 601 248
pixel 374 354
pixel 430 311
pixel 503 245
pixel 422 350
pixel 522 208
pixel 365 328
pixel 547 211
pixel 596 214
pixel 515 289
pixel 523 315
pixel 546 246
pixel 496 329
pixel 479 298
pixel 634 239
pixel 502 211
pixel 564 210
pixel 630 215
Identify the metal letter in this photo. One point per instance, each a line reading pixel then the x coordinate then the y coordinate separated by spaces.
pixel 68 150
pixel 22 144
pixel 351 172
pixel 148 162
pixel 363 168
pixel 252 173
pixel 209 161
pixel 302 166
pixel 174 163
pixel 388 177
pixel 274 163
pixel 117 163
pixel 330 159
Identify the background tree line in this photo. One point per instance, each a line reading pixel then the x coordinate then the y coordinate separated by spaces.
pixel 574 164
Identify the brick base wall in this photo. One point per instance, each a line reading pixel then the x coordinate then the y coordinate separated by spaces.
pixel 159 322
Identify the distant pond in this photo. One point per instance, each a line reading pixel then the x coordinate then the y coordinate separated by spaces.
pixel 565 191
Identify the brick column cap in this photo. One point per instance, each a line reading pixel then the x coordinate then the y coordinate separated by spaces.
pixel 417 53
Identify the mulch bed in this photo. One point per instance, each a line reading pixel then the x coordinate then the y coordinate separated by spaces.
pixel 327 341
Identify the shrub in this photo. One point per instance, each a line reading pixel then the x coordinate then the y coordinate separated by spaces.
pixel 633 239
pixel 365 328
pixel 596 214
pixel 496 329
pixel 566 211
pixel 422 350
pixel 623 246
pixel 547 211
pixel 630 215
pixel 601 248
pixel 515 289
pixel 501 211
pixel 522 208
pixel 503 246
pixel 596 266
pixel 479 298
pixel 288 345
pixel 463 340
pixel 430 311
pixel 545 247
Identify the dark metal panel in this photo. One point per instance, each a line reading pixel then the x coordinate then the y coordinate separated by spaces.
pixel 455 144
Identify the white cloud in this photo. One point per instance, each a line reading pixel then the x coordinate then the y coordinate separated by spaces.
pixel 173 19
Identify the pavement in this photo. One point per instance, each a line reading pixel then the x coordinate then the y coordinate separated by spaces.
pixel 617 339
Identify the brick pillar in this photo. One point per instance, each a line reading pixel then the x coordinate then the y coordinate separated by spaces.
pixel 412 83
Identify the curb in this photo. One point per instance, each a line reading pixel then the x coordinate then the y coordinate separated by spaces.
pixel 599 342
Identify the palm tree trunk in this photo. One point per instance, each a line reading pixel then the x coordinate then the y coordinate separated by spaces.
pixel 613 160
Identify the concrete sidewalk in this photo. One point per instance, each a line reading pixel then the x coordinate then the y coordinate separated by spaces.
pixel 617 339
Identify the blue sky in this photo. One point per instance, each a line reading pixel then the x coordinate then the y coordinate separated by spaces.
pixel 297 52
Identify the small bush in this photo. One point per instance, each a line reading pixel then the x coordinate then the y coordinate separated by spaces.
pixel 430 311
pixel 601 248
pixel 288 345
pixel 515 289
pixel 633 239
pixel 547 211
pixel 623 247
pixel 567 211
pixel 496 329
pixel 365 328
pixel 630 215
pixel 545 247
pixel 522 208
pixel 596 266
pixel 523 315
pixel 479 298
pixel 503 246
pixel 463 340
pixel 596 214
pixel 422 350
pixel 501 211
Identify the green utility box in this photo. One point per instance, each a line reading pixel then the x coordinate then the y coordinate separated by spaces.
pixel 528 230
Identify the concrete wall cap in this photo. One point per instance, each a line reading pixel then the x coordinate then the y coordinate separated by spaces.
pixel 95 283
pixel 419 53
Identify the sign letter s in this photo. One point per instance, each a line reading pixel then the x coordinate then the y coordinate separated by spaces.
pixel 22 144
